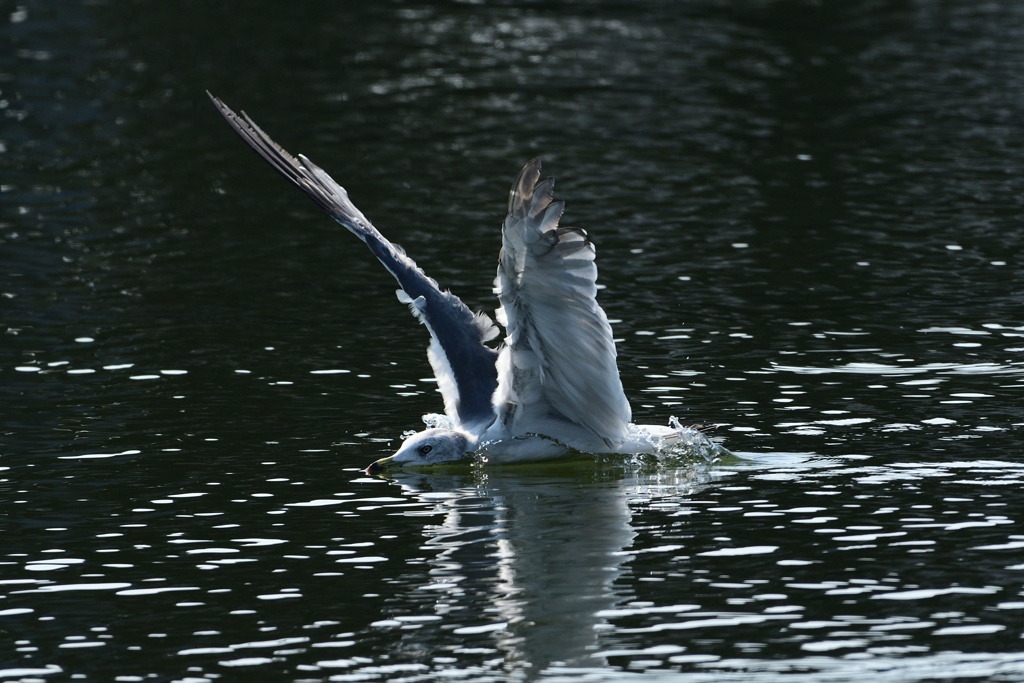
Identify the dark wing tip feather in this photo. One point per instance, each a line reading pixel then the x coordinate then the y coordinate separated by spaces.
pixel 523 187
pixel 271 152
pixel 304 174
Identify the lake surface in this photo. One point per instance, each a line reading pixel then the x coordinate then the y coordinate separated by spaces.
pixel 808 222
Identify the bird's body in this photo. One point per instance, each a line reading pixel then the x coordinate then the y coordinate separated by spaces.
pixel 497 445
pixel 552 386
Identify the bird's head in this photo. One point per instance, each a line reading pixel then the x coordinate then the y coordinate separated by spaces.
pixel 429 447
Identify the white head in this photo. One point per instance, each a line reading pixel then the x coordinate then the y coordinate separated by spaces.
pixel 429 447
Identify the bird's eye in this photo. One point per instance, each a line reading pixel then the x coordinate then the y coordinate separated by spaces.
pixel 425 450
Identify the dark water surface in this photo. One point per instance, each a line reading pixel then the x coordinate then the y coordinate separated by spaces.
pixel 808 219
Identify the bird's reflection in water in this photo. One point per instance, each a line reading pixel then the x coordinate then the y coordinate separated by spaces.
pixel 522 560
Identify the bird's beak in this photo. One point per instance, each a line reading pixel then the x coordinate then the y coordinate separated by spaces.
pixel 379 466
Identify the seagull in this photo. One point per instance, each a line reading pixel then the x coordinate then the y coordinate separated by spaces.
pixel 552 386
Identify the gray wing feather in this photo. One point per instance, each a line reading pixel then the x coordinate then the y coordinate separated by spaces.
pixel 560 356
pixel 463 364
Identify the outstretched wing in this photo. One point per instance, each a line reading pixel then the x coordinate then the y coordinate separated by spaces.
pixel 463 365
pixel 560 357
